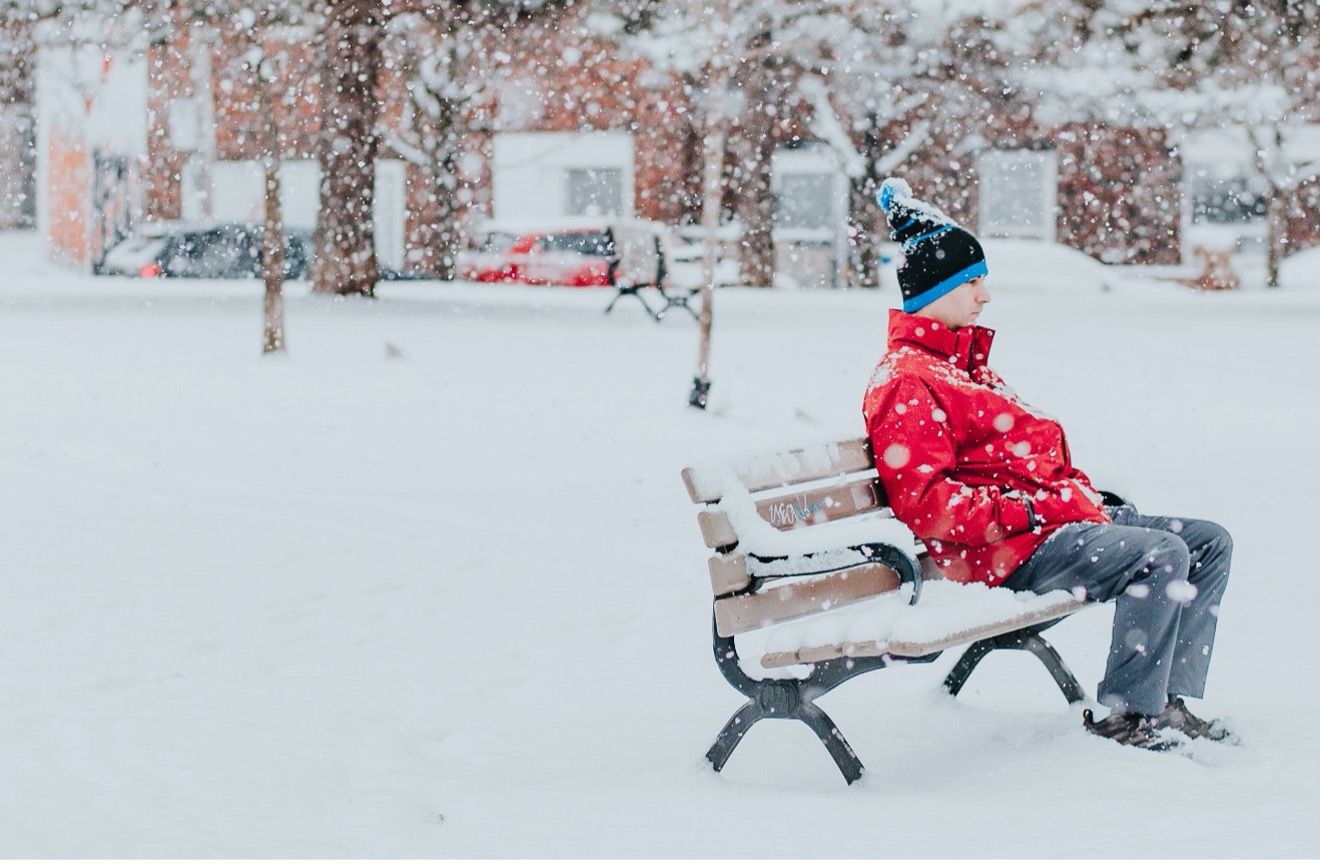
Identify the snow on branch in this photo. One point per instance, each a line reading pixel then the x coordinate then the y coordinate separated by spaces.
pixel 827 126
pixel 918 137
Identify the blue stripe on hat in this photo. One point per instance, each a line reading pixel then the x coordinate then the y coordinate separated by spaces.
pixel 932 294
pixel 938 231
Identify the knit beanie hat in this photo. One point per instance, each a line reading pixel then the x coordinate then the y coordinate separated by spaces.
pixel 938 255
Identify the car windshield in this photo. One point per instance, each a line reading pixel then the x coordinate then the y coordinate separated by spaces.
pixel 497 241
pixel 581 242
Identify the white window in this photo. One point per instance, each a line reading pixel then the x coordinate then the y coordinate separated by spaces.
pixel 595 191
pixel 805 200
pixel 238 191
pixel 185 123
pixel 1225 197
pixel 811 207
pixel 541 175
pixel 1018 193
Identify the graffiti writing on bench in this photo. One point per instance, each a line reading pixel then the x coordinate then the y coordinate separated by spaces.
pixel 794 511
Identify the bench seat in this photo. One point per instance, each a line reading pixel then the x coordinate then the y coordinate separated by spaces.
pixel 949 614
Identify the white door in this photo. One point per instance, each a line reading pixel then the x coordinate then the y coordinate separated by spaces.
pixel 389 212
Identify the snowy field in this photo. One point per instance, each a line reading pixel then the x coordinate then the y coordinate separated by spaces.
pixel 454 603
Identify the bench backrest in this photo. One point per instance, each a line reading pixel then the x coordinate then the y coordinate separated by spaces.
pixel 791 490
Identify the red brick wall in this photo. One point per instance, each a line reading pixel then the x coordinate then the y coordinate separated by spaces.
pixel 294 100
pixel 168 78
pixel 1120 198
pixel 1303 226
pixel 594 90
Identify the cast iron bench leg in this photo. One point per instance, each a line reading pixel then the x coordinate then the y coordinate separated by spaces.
pixel 733 733
pixel 635 291
pixel 1063 676
pixel 849 765
pixel 681 302
pixel 959 674
pixel 1023 641
pixel 809 713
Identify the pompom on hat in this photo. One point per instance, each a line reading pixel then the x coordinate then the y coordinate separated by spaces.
pixel 938 255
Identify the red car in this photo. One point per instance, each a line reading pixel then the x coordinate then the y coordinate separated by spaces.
pixel 617 252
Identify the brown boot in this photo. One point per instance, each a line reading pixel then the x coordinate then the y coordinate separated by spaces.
pixel 1176 716
pixel 1130 728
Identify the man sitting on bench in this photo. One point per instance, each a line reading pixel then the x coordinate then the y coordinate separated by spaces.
pixel 987 483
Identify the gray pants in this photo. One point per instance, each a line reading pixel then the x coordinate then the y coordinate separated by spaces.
pixel 1167 576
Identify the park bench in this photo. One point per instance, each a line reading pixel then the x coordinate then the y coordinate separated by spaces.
pixel 638 262
pixel 673 298
pixel 796 560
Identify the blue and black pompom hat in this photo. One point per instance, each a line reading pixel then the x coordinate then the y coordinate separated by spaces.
pixel 938 255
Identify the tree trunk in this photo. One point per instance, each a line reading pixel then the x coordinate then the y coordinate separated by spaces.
pixel 345 234
pixel 712 202
pixel 447 237
pixel 272 236
pixel 755 201
pixel 1276 235
pixel 1268 154
pixel 865 220
pixel 272 249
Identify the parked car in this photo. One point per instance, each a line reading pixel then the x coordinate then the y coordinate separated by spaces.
pixel 221 251
pixel 575 253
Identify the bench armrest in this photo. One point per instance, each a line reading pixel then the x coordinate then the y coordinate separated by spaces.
pixel 1115 499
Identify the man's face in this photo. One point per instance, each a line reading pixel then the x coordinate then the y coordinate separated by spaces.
pixel 961 306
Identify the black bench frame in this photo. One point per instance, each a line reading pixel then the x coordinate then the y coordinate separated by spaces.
pixel 634 289
pixel 795 698
pixel 672 301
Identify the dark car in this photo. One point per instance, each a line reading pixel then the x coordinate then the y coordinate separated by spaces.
pixel 224 251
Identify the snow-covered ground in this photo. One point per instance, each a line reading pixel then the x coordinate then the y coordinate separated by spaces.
pixel 454 603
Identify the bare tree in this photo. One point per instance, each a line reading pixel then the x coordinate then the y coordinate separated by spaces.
pixel 762 87
pixel 345 241
pixel 443 64
pixel 255 34
pixel 263 73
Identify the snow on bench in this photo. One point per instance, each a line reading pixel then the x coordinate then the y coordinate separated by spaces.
pixel 949 614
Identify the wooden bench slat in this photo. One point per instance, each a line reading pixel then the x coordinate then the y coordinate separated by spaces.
pixel 821 653
pixel 780 659
pixel 788 468
pixel 823 505
pixel 743 613
pixel 716 529
pixel 728 573
pixel 901 648
pixel 799 509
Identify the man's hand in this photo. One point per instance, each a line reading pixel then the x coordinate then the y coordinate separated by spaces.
pixel 1033 521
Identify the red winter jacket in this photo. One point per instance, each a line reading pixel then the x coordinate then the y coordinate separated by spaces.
pixel 960 456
